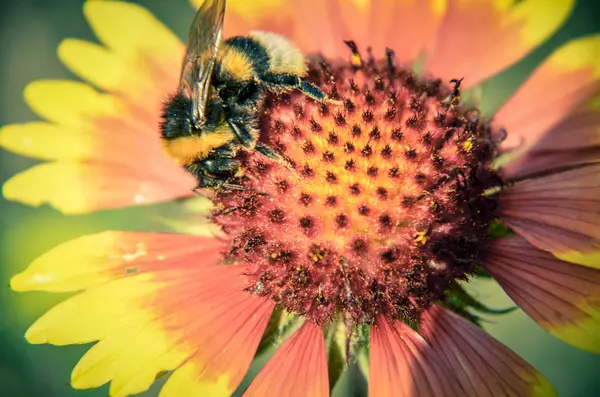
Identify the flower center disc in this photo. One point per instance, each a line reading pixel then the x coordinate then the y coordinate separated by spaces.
pixel 383 205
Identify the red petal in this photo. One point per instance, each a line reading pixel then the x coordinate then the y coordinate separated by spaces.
pixel 574 140
pixel 561 297
pixel 538 162
pixel 403 364
pixel 558 213
pixel 297 369
pixel 579 130
pixel 484 366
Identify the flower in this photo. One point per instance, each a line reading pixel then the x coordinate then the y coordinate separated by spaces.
pixel 390 199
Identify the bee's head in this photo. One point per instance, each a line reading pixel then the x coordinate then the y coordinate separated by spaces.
pixel 176 117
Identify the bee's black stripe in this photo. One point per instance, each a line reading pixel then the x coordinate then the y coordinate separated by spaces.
pixel 255 51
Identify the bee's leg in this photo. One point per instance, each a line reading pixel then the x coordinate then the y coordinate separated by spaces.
pixel 243 132
pixel 269 152
pixel 288 82
pixel 223 169
pixel 313 92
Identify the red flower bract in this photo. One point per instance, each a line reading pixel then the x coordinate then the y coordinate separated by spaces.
pixel 382 203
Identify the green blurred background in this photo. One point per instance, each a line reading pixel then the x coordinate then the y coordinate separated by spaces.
pixel 30 31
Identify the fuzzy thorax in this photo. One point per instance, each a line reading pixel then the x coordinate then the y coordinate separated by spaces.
pixel 383 205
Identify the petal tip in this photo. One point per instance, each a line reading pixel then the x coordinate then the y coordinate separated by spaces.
pixel 21 282
pixel 35 335
pixel 543 388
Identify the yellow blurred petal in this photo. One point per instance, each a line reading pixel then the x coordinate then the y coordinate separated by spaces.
pixel 500 5
pixel 96 64
pixel 184 382
pixel 541 18
pixel 582 53
pixel 100 356
pixel 583 334
pixel 148 353
pixel 250 9
pixel 46 141
pixel 192 227
pixel 129 28
pixel 76 264
pixel 255 9
pixel 68 102
pixel 542 388
pixel 59 184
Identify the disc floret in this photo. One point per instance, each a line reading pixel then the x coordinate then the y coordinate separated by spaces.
pixel 382 203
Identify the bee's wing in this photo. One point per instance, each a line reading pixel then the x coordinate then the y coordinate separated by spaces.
pixel 201 53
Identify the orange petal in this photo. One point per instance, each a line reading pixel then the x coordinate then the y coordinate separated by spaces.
pixel 98 258
pixel 405 26
pixel 559 213
pixel 159 314
pixel 403 364
pixel 479 38
pixel 271 15
pixel 323 26
pixel 483 366
pixel 567 80
pixel 320 26
pixel 227 334
pixel 379 24
pixel 561 297
pixel 297 369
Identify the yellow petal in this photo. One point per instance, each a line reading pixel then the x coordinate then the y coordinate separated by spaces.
pixel 133 346
pixel 61 185
pixel 77 264
pixel 130 28
pixel 185 383
pixel 96 313
pixel 585 259
pixel 68 102
pixel 46 141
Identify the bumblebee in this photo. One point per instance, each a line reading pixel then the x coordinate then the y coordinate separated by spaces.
pixel 222 88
